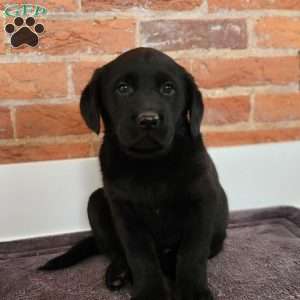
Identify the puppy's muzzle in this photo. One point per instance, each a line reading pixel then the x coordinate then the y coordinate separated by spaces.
pixel 148 120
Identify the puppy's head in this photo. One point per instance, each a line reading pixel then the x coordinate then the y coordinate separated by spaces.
pixel 145 98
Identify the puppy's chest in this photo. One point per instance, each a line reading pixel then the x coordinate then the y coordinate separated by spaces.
pixel 164 224
pixel 160 207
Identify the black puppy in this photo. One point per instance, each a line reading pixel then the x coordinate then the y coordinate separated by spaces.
pixel 162 211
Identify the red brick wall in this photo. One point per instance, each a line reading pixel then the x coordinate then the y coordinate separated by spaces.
pixel 242 53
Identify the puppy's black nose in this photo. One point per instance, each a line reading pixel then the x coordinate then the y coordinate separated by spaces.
pixel 148 120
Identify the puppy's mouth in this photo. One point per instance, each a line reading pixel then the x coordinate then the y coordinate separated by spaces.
pixel 147 147
pixel 142 150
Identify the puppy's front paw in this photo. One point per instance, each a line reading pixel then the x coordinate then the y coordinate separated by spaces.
pixel 117 275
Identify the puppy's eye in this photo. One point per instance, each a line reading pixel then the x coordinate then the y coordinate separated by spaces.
pixel 124 89
pixel 167 89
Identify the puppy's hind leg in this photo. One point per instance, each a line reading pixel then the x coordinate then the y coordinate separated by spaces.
pixel 82 250
pixel 96 244
pixel 117 273
pixel 219 236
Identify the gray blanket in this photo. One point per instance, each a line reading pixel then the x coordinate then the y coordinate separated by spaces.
pixel 261 260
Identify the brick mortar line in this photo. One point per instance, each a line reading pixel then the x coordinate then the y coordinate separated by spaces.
pixel 246 90
pixel 173 14
pixel 202 11
pixel 91 138
pixel 244 126
pixel 38 57
pixel 227 53
pixel 200 53
pixel 25 102
pixel 276 124
pixel 46 140
pixel 205 6
pixel 241 126
pixel 126 13
pixel 79 6
pixel 137 33
pixel 232 91
pixel 226 127
pixel 166 15
pixel 70 82
pixel 252 39
pixel 258 13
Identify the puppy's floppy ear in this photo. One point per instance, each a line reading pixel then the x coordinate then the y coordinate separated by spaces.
pixel 90 101
pixel 195 105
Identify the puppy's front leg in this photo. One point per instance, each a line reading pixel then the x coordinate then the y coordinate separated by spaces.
pixel 191 269
pixel 148 280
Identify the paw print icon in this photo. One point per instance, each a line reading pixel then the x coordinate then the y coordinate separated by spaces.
pixel 24 32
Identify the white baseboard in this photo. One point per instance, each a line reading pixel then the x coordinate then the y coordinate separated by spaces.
pixel 47 198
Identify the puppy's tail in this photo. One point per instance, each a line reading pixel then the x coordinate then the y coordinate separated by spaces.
pixel 83 249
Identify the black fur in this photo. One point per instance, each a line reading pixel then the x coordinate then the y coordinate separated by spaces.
pixel 83 249
pixel 162 211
